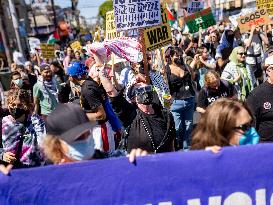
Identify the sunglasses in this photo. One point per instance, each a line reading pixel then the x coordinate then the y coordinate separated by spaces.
pixel 145 89
pixel 244 127
pixel 242 53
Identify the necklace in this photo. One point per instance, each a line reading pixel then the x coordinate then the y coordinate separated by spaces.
pixel 150 136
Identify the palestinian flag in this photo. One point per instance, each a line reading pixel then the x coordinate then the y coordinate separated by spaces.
pixel 171 17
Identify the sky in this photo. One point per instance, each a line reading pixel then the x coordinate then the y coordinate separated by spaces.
pixel 88 8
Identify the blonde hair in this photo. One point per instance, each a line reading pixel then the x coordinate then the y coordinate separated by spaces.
pixel 211 78
pixel 53 150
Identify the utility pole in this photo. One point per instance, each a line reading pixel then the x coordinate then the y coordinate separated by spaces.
pixel 15 25
pixel 3 35
pixel 54 13
pixel 34 19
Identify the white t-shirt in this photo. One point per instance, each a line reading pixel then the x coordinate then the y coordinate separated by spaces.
pixel 255 48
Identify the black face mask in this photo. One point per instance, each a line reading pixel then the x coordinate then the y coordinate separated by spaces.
pixel 17 112
pixel 145 98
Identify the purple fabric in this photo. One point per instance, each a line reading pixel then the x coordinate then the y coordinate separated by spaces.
pixel 174 178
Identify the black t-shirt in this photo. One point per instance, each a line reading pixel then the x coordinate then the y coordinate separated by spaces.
pixel 92 95
pixel 180 88
pixel 158 126
pixel 207 96
pixel 261 103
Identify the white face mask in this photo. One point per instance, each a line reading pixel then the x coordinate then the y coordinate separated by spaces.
pixel 18 82
pixel 82 149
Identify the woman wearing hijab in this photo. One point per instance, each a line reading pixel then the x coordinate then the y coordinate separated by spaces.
pixel 238 74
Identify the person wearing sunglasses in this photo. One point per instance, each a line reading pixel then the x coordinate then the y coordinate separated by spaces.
pixel 238 74
pixel 261 101
pixel 147 125
pixel 227 122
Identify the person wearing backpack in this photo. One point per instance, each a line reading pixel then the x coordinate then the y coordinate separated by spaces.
pixel 213 89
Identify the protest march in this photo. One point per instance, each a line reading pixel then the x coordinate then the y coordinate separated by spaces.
pixel 157 102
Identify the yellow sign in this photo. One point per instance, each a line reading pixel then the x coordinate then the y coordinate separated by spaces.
pixel 111 29
pixel 257 18
pixel 47 50
pixel 76 46
pixel 158 36
pixel 268 4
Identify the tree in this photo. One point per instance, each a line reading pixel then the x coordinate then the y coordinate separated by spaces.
pixel 104 8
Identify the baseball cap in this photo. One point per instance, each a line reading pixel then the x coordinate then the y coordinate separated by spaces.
pixel 76 69
pixel 68 122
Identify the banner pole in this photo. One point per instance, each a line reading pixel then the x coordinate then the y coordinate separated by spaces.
pixel 143 48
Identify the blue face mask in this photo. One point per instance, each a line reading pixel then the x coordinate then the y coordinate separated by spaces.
pixel 249 137
pixel 82 149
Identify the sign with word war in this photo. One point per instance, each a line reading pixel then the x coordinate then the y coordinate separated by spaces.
pixel 158 36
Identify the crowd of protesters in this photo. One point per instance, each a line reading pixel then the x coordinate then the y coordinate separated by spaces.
pixel 88 106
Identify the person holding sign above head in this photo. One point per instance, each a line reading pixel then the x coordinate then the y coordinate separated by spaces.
pixel 254 47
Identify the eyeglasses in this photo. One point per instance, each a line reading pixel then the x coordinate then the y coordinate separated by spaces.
pixel 244 127
pixel 242 53
pixel 145 89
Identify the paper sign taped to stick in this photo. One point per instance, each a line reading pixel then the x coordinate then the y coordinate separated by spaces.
pixel 130 14
pixel 76 46
pixel 195 6
pixel 111 30
pixel 267 4
pixel 203 19
pixel 257 18
pixel 47 50
pixel 159 36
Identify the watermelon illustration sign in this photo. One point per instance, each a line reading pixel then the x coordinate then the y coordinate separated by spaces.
pixel 203 19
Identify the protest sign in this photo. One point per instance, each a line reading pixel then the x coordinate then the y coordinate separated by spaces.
pixel 199 19
pixel 34 43
pixel 257 18
pixel 111 30
pixel 267 4
pixel 195 6
pixel 159 36
pixel 131 14
pixel 237 175
pixel 76 45
pixel 47 50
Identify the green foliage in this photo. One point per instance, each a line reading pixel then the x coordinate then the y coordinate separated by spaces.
pixel 104 8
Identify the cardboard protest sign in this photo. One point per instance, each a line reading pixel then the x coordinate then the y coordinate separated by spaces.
pixel 111 30
pixel 76 45
pixel 47 50
pixel 130 14
pixel 257 18
pixel 199 19
pixel 267 4
pixel 195 6
pixel 159 36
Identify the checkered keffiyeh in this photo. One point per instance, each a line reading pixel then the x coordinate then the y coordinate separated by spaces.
pixel 123 47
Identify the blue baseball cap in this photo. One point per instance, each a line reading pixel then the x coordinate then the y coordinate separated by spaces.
pixel 77 69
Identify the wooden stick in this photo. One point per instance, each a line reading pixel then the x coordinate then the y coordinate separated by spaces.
pixel 145 62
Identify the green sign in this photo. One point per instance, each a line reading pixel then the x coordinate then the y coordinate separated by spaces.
pixel 199 19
